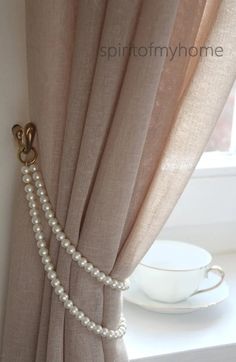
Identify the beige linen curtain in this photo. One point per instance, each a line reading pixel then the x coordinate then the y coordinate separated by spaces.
pixel 118 139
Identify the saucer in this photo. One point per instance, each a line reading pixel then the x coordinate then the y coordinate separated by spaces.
pixel 200 301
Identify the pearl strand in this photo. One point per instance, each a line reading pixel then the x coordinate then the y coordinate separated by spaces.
pixel 51 273
pixel 31 174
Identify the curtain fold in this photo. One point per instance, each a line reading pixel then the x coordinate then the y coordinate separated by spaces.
pixel 187 138
pixel 118 139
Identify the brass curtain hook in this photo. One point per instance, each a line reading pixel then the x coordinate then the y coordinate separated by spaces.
pixel 24 136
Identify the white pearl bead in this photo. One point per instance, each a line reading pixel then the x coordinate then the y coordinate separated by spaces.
pixel 73 310
pixel 26 179
pixel 65 243
pixel 37 228
pixel 30 196
pixel 39 183
pixel 110 334
pixel 120 334
pixel 91 326
pixel 55 283
pixel 41 191
pixel 82 262
pixel 35 220
pixel 120 286
pixel 76 256
pixel 56 229
pixel 104 332
pixel 43 199
pixel 32 204
pixel 52 275
pixel 25 170
pixel 52 221
pixel 79 315
pixel 126 283
pixel 116 335
pixel 101 276
pixel 48 267
pixel 34 212
pixel 108 281
pixel 85 321
pixel 46 206
pixel 49 214
pixel 39 235
pixel 88 267
pixel 98 329
pixel 59 290
pixel 46 259
pixel 41 244
pixel 29 188
pixel 95 272
pixel 70 249
pixel 60 236
pixel 43 251
pixel 63 297
pixel 33 168
pixel 114 284
pixel 36 176
pixel 68 304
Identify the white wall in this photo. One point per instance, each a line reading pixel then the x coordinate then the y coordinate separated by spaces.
pixel 13 108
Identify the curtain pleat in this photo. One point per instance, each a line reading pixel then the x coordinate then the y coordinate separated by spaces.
pixel 108 206
pixel 185 29
pixel 118 139
pixel 187 138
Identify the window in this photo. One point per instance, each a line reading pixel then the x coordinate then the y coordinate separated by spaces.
pixel 220 154
pixel 223 138
pixel 206 212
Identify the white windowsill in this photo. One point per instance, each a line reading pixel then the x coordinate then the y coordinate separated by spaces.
pixel 216 164
pixel 207 335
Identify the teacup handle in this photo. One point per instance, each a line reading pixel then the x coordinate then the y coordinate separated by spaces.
pixel 215 269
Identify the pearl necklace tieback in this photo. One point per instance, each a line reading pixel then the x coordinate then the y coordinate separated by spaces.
pixel 36 195
pixel 32 175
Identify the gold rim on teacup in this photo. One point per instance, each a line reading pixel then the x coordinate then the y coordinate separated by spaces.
pixel 176 270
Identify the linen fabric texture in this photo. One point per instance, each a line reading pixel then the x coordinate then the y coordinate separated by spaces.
pixel 118 140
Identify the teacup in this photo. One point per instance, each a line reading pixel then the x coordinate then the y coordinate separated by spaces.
pixel 172 271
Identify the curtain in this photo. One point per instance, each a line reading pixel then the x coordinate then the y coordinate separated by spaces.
pixel 118 140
